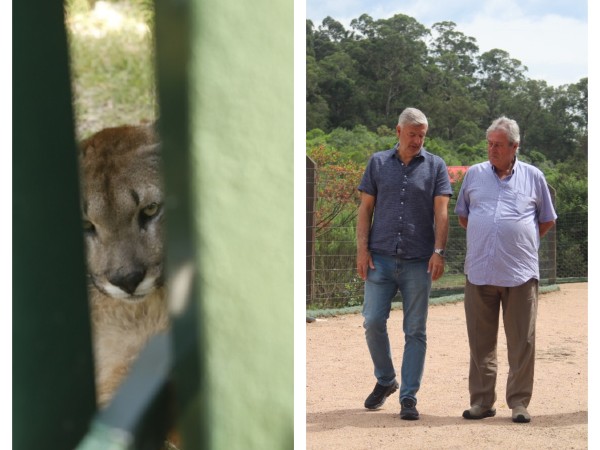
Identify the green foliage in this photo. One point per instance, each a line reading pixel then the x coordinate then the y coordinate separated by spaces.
pixel 569 178
pixel 112 63
pixel 354 145
pixel 337 195
pixel 440 148
pixel 367 74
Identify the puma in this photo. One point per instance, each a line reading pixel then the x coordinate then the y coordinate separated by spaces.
pixel 122 207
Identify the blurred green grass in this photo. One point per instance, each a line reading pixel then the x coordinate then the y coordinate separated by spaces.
pixel 112 63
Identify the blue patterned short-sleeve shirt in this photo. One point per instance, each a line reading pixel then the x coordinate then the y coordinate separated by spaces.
pixel 403 219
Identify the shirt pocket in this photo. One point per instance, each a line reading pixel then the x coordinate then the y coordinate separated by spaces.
pixel 516 205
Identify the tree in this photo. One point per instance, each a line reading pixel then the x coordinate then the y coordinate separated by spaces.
pixel 337 85
pixel 338 180
pixel 498 72
pixel 454 52
pixel 390 63
pixel 450 78
pixel 317 108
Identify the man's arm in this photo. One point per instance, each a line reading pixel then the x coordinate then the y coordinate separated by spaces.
pixel 363 227
pixel 545 227
pixel 463 221
pixel 440 212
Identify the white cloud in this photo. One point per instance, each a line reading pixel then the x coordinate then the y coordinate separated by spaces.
pixel 554 48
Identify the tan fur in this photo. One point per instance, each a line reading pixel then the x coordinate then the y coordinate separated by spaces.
pixel 120 331
pixel 122 212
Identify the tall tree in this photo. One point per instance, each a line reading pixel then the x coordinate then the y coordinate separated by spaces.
pixel 454 52
pixel 317 108
pixel 498 73
pixel 449 100
pixel 338 88
pixel 391 63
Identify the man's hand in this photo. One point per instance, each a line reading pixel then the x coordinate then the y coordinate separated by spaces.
pixel 363 262
pixel 436 266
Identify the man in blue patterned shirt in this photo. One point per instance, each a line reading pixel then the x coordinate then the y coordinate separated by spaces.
pixel 402 231
pixel 506 208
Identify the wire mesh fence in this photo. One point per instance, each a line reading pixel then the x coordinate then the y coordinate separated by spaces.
pixel 332 280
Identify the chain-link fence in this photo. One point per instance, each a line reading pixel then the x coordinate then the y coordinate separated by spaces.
pixel 332 280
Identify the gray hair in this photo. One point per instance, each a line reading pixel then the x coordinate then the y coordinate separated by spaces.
pixel 412 116
pixel 508 126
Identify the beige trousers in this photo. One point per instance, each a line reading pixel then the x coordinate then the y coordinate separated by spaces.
pixel 519 311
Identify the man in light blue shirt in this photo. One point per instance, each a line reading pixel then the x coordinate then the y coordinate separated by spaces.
pixel 506 208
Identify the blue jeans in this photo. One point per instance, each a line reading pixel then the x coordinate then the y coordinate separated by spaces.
pixel 411 278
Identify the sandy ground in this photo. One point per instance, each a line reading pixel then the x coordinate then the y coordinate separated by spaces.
pixel 339 377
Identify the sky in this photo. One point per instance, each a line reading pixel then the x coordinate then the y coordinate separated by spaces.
pixel 549 37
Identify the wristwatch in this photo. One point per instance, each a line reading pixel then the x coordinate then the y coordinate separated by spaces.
pixel 440 251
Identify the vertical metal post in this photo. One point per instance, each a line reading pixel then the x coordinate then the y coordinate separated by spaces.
pixel 311 201
pixel 173 59
pixel 550 248
pixel 53 381
pixel 242 134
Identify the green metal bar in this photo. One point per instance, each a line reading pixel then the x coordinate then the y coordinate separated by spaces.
pixel 242 134
pixel 140 414
pixel 53 382
pixel 173 53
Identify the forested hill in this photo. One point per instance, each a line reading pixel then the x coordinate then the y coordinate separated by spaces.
pixel 367 74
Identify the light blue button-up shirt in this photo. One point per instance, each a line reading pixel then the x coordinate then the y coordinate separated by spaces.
pixel 503 216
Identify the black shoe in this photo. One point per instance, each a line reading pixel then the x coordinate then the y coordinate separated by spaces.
pixel 408 409
pixel 477 413
pixel 377 398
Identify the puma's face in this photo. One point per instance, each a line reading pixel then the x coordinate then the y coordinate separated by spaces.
pixel 122 205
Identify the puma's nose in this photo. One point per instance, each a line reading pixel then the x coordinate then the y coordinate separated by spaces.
pixel 128 281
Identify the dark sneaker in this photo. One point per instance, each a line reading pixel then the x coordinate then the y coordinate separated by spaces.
pixel 476 412
pixel 377 398
pixel 408 409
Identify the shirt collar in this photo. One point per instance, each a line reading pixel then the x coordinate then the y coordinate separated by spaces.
pixel 394 152
pixel 512 170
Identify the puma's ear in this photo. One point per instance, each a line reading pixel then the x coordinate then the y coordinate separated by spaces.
pixel 155 148
pixel 150 150
pixel 85 148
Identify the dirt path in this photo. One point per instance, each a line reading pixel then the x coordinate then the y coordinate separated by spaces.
pixel 340 376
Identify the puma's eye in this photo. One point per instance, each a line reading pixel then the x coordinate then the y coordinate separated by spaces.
pixel 151 210
pixel 88 226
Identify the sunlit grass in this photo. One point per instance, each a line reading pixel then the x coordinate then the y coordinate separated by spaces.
pixel 112 63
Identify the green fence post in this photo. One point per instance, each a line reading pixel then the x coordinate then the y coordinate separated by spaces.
pixel 53 382
pixel 241 139
pixel 173 43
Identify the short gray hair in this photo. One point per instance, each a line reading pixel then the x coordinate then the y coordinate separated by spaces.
pixel 412 116
pixel 508 126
